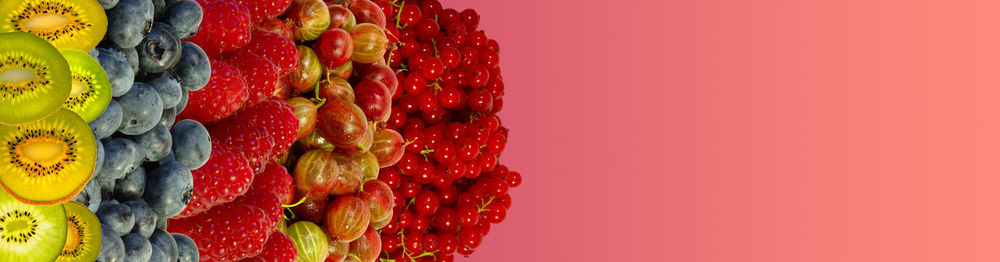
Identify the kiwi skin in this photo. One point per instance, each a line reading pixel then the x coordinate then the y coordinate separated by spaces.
pixel 27 104
pixel 92 101
pixel 73 177
pixel 83 234
pixel 87 21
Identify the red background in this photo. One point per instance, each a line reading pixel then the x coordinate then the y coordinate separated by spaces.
pixel 769 130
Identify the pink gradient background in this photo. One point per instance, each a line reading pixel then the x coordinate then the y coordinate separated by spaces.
pixel 770 130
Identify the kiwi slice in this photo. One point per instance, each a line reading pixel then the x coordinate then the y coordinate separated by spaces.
pixel 90 92
pixel 30 233
pixel 66 24
pixel 34 78
pixel 48 161
pixel 83 234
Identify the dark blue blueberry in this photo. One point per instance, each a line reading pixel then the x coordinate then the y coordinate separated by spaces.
pixel 192 144
pixel 157 255
pixel 137 248
pixel 163 240
pixel 107 4
pixel 99 161
pixel 119 159
pixel 90 196
pixel 132 56
pixel 187 250
pixel 156 143
pixel 112 247
pixel 169 188
pixel 160 50
pixel 107 123
pixel 119 71
pixel 159 7
pixel 161 224
pixel 193 70
pixel 168 88
pixel 129 22
pixel 183 103
pixel 118 217
pixel 131 186
pixel 168 117
pixel 145 218
pixel 141 108
pixel 185 16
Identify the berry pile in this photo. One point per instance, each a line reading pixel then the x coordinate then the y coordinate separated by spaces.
pixel 448 183
pixel 143 176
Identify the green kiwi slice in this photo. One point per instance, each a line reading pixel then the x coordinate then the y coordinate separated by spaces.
pixel 90 92
pixel 67 24
pixel 48 161
pixel 83 234
pixel 34 78
pixel 30 233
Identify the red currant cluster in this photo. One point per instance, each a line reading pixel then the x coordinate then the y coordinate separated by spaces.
pixel 448 184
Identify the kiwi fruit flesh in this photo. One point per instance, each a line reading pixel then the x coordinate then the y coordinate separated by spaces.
pixel 66 24
pixel 30 233
pixel 48 161
pixel 34 78
pixel 90 92
pixel 83 234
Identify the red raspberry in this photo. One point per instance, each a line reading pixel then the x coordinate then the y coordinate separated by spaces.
pixel 276 180
pixel 225 93
pixel 225 26
pixel 280 50
pixel 261 10
pixel 225 176
pixel 226 232
pixel 262 79
pixel 249 139
pixel 279 248
pixel 277 116
pixel 267 202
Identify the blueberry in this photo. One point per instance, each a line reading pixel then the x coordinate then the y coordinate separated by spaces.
pixel 156 142
pixel 187 250
pixel 161 224
pixel 157 255
pixel 107 4
pixel 169 188
pixel 166 243
pixel 145 218
pixel 93 53
pixel 137 248
pixel 132 19
pixel 118 217
pixel 185 16
pixel 132 57
pixel 99 152
pixel 112 247
pixel 168 117
pixel 160 50
pixel 108 122
pixel 131 186
pixel 159 7
pixel 192 145
pixel 141 108
pixel 119 159
pixel 193 70
pixel 119 71
pixel 168 88
pixel 183 103
pixel 90 196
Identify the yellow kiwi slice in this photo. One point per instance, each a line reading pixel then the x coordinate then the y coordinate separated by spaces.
pixel 30 233
pixel 48 161
pixel 83 234
pixel 34 78
pixel 75 24
pixel 90 92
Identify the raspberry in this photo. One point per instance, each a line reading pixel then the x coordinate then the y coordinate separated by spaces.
pixel 279 248
pixel 227 232
pixel 267 202
pixel 225 93
pixel 261 10
pixel 280 50
pixel 277 116
pixel 249 139
pixel 258 71
pixel 275 179
pixel 225 176
pixel 225 26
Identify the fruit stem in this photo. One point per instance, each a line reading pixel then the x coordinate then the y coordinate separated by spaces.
pixel 488 202
pixel 399 14
pixel 316 93
pixel 303 199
